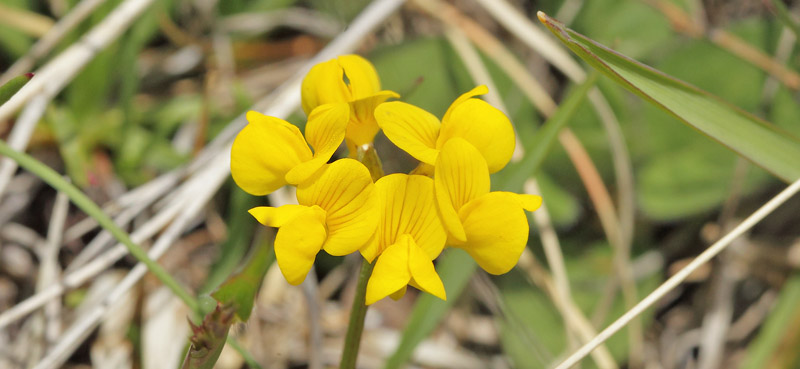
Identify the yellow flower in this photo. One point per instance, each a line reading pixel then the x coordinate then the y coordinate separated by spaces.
pixel 410 236
pixel 269 152
pixel 351 79
pixel 420 134
pixel 337 212
pixel 491 226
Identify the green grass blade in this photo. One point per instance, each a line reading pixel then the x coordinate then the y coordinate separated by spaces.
pixel 758 141
pixel 12 86
pixel 83 202
pixel 785 17
pixel 546 137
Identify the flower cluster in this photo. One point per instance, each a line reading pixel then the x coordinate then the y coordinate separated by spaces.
pixel 399 222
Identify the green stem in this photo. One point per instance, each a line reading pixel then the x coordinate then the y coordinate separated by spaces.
pixel 357 314
pixel 80 200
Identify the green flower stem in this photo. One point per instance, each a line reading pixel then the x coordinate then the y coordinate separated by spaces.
pixel 357 314
pixel 55 180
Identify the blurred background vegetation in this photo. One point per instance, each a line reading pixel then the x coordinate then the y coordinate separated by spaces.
pixel 153 99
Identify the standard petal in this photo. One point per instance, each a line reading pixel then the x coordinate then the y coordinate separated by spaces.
pixel 422 271
pixel 497 231
pixel 298 242
pixel 390 273
pixel 276 217
pixel 345 191
pixel 363 127
pixel 264 151
pixel 479 90
pixel 324 84
pixel 361 74
pixel 410 128
pixel 406 206
pixel 461 175
pixel 485 127
pixel 324 132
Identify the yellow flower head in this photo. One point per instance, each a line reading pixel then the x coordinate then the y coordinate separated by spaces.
pixel 337 212
pixel 269 152
pixel 420 133
pixel 410 236
pixel 491 226
pixel 349 79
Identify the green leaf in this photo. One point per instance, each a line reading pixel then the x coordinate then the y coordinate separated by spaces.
pixel 765 145
pixel 240 290
pixel 455 268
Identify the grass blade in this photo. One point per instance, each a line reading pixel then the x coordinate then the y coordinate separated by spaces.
pixel 758 141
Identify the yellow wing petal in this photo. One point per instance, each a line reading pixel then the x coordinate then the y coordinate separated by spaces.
pixel 410 128
pixel 345 191
pixel 497 231
pixel 406 206
pixel 363 127
pixel 324 84
pixel 461 175
pixel 324 132
pixel 298 242
pixel 390 273
pixel 423 274
pixel 276 217
pixel 264 151
pixel 361 74
pixel 485 127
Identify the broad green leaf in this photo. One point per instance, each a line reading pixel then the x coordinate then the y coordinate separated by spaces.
pixel 765 145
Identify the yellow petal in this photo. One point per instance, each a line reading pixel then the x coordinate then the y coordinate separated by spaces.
pixel 324 84
pixel 410 128
pixel 461 175
pixel 363 127
pixel 264 151
pixel 479 90
pixel 324 132
pixel 390 273
pixel 407 206
pixel 485 127
pixel 345 191
pixel 361 74
pixel 423 274
pixel 497 230
pixel 276 217
pixel 298 242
